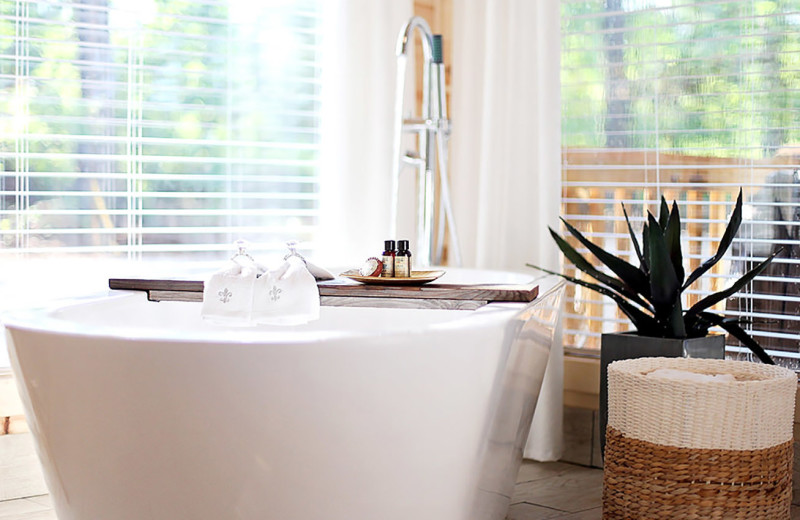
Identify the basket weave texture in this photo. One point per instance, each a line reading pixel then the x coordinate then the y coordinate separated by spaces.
pixel 756 411
pixel 646 480
pixel 695 450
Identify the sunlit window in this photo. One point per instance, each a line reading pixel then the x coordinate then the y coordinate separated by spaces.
pixel 690 100
pixel 146 128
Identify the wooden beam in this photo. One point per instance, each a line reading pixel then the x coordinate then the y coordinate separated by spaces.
pixel 346 293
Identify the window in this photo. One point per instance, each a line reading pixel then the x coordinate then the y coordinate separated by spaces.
pixel 690 100
pixel 145 128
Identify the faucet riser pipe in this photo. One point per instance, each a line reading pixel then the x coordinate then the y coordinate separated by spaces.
pixel 425 220
pixel 432 132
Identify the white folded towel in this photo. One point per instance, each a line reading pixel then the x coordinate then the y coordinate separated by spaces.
pixel 228 294
pixel 287 295
pixel 685 375
pixel 320 274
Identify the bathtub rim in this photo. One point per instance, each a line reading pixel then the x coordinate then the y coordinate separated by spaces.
pixel 41 319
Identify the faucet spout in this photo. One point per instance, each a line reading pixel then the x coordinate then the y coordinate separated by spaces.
pixel 407 33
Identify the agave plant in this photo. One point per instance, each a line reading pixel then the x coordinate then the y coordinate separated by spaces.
pixel 650 295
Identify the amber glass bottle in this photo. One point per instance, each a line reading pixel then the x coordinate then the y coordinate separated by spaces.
pixel 388 259
pixel 402 261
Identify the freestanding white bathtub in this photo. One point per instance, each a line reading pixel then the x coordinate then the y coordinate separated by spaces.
pixel 141 411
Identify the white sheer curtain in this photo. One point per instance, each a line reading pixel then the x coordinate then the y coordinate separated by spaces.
pixel 506 179
pixel 358 124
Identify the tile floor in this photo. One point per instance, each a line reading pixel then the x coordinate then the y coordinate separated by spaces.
pixel 33 508
pixel 545 491
pixel 555 491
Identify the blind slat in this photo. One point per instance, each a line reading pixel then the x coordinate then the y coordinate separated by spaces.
pixel 163 159
pixel 204 212
pixel 183 230
pixel 167 141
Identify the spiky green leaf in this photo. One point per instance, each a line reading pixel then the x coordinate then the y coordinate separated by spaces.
pixel 628 274
pixel 664 285
pixel 584 265
pixel 715 298
pixel 672 236
pixel 696 326
pixel 645 324
pixel 663 214
pixel 724 243
pixel 739 333
pixel 646 247
pixel 676 325
pixel 642 261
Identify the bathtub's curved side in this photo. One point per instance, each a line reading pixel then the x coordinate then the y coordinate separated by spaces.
pixel 516 394
pixel 423 425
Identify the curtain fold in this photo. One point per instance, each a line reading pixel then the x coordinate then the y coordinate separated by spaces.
pixel 359 66
pixel 505 148
pixel 506 178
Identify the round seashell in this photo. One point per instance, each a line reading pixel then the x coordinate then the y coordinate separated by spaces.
pixel 371 267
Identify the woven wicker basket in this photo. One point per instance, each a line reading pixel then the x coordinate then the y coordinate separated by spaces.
pixel 698 449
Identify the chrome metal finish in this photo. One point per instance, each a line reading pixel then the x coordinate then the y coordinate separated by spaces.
pixel 432 129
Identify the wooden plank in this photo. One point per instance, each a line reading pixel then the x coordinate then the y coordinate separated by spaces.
pixel 490 293
pixel 401 303
pixel 174 296
pixel 343 301
pixel 143 284
pixel 159 290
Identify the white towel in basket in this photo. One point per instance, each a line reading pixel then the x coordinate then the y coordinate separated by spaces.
pixel 286 296
pixel 685 375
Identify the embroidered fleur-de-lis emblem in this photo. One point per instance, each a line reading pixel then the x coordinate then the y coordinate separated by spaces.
pixel 275 293
pixel 225 296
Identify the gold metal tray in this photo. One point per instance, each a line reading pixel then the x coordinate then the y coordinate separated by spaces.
pixel 416 278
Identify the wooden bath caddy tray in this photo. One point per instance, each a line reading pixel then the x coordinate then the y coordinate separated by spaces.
pixel 345 293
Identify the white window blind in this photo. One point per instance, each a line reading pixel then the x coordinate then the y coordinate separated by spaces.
pixel 145 128
pixel 689 100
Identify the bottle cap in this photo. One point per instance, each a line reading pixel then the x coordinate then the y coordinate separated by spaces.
pixel 388 245
pixel 402 245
